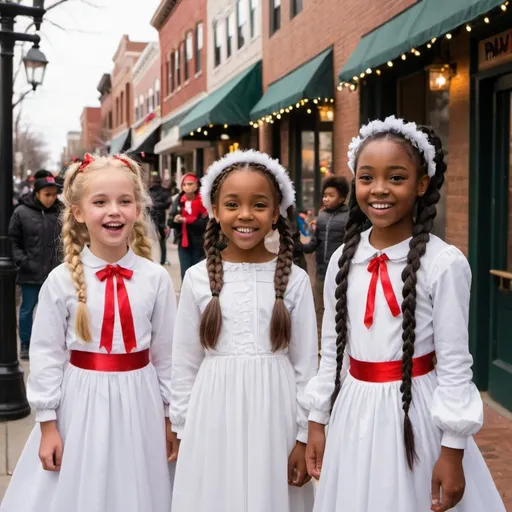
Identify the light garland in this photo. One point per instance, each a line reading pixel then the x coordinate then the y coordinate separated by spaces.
pixel 352 84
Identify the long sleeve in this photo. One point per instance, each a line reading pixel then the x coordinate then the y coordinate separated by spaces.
pixel 16 237
pixel 188 355
pixel 48 353
pixel 456 406
pixel 312 245
pixel 175 208
pixel 321 387
pixel 162 321
pixel 303 351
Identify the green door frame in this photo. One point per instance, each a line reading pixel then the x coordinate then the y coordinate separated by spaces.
pixel 480 216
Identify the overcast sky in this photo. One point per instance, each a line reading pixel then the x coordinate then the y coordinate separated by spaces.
pixel 78 57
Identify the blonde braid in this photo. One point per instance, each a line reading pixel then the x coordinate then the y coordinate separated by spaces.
pixel 140 241
pixel 74 240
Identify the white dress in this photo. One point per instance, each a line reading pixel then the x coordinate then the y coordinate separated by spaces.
pixel 364 467
pixel 239 408
pixel 111 423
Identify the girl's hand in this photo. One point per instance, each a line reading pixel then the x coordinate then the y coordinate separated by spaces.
pixel 315 449
pixel 51 447
pixel 172 442
pixel 448 480
pixel 297 474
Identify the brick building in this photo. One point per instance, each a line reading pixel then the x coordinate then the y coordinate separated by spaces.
pixel 146 107
pixel 182 33
pixel 443 64
pixel 107 117
pixel 234 51
pixel 127 54
pixel 90 122
pixel 72 147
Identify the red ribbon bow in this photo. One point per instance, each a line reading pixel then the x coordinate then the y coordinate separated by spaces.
pixel 123 302
pixel 375 266
pixel 121 159
pixel 88 158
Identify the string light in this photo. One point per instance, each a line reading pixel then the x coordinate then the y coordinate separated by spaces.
pixel 191 134
pixel 468 26
pixel 270 118
pixel 205 132
pixel 199 130
pixel 225 126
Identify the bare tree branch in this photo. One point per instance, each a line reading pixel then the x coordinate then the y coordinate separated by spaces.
pixel 21 98
pixel 48 20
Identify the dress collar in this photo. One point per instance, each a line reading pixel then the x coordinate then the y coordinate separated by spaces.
pixel 89 259
pixel 365 251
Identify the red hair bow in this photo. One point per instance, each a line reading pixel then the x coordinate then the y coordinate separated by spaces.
pixel 88 158
pixel 121 159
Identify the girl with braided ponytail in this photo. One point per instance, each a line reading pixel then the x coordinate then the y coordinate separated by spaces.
pixel 100 358
pixel 244 350
pixel 395 376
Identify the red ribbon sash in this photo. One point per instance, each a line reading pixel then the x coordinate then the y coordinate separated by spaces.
pixel 125 311
pixel 376 266
pixel 109 362
pixel 389 371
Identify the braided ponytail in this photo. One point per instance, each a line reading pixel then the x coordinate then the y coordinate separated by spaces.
pixel 211 320
pixel 280 325
pixel 426 213
pixel 355 223
pixel 74 239
pixel 140 241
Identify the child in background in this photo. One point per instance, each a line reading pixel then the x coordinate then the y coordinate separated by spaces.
pixel 34 231
pixel 188 218
pixel 244 350
pixel 100 358
pixel 327 236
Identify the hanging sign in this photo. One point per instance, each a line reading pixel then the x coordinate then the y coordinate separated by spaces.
pixel 495 50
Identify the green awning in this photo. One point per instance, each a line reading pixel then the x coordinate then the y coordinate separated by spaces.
pixel 120 143
pixel 229 104
pixel 413 27
pixel 314 79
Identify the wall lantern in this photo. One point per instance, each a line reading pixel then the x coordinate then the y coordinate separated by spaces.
pixel 439 75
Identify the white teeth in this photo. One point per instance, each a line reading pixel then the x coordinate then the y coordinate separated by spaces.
pixel 380 206
pixel 244 230
pixel 113 225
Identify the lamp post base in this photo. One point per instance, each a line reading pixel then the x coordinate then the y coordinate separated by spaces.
pixel 13 404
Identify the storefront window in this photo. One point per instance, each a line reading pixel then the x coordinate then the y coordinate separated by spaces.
pixel 509 217
pixel 308 165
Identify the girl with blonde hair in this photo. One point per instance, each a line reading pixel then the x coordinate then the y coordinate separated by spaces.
pixel 100 358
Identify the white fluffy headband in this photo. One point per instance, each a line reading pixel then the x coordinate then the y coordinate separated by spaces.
pixel 252 157
pixel 391 124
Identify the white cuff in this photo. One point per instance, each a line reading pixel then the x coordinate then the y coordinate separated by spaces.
pixel 454 441
pixel 166 410
pixel 178 429
pixel 302 435
pixel 43 415
pixel 318 416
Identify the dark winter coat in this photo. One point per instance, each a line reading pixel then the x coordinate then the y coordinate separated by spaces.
pixel 328 236
pixel 161 198
pixel 34 232
pixel 195 230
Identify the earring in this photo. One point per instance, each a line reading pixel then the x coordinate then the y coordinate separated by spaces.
pixel 274 226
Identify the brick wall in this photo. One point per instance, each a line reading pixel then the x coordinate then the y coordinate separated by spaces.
pixel 334 25
pixel 184 18
pixel 91 127
pixel 457 175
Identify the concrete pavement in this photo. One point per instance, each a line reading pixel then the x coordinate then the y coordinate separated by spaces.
pixel 494 440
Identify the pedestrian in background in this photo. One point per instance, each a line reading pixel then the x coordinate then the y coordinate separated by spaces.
pixel 395 380
pixel 161 198
pixel 244 350
pixel 327 236
pixel 100 358
pixel 188 218
pixel 34 231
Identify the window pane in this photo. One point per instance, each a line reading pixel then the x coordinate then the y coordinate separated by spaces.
pixel 252 15
pixel 308 169
pixel 199 36
pixel 188 50
pixel 241 22
pixel 217 36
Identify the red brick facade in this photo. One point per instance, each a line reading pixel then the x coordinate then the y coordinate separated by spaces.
pixel 90 121
pixel 174 25
pixel 122 89
pixel 146 86
pixel 107 114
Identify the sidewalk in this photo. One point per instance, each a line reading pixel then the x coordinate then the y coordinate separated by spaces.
pixel 494 440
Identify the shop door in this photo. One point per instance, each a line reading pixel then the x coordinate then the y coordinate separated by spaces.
pixel 500 374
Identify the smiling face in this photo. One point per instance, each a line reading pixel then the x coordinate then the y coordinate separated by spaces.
pixel 246 206
pixel 388 183
pixel 109 210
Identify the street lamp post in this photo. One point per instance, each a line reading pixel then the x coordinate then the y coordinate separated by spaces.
pixel 13 400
